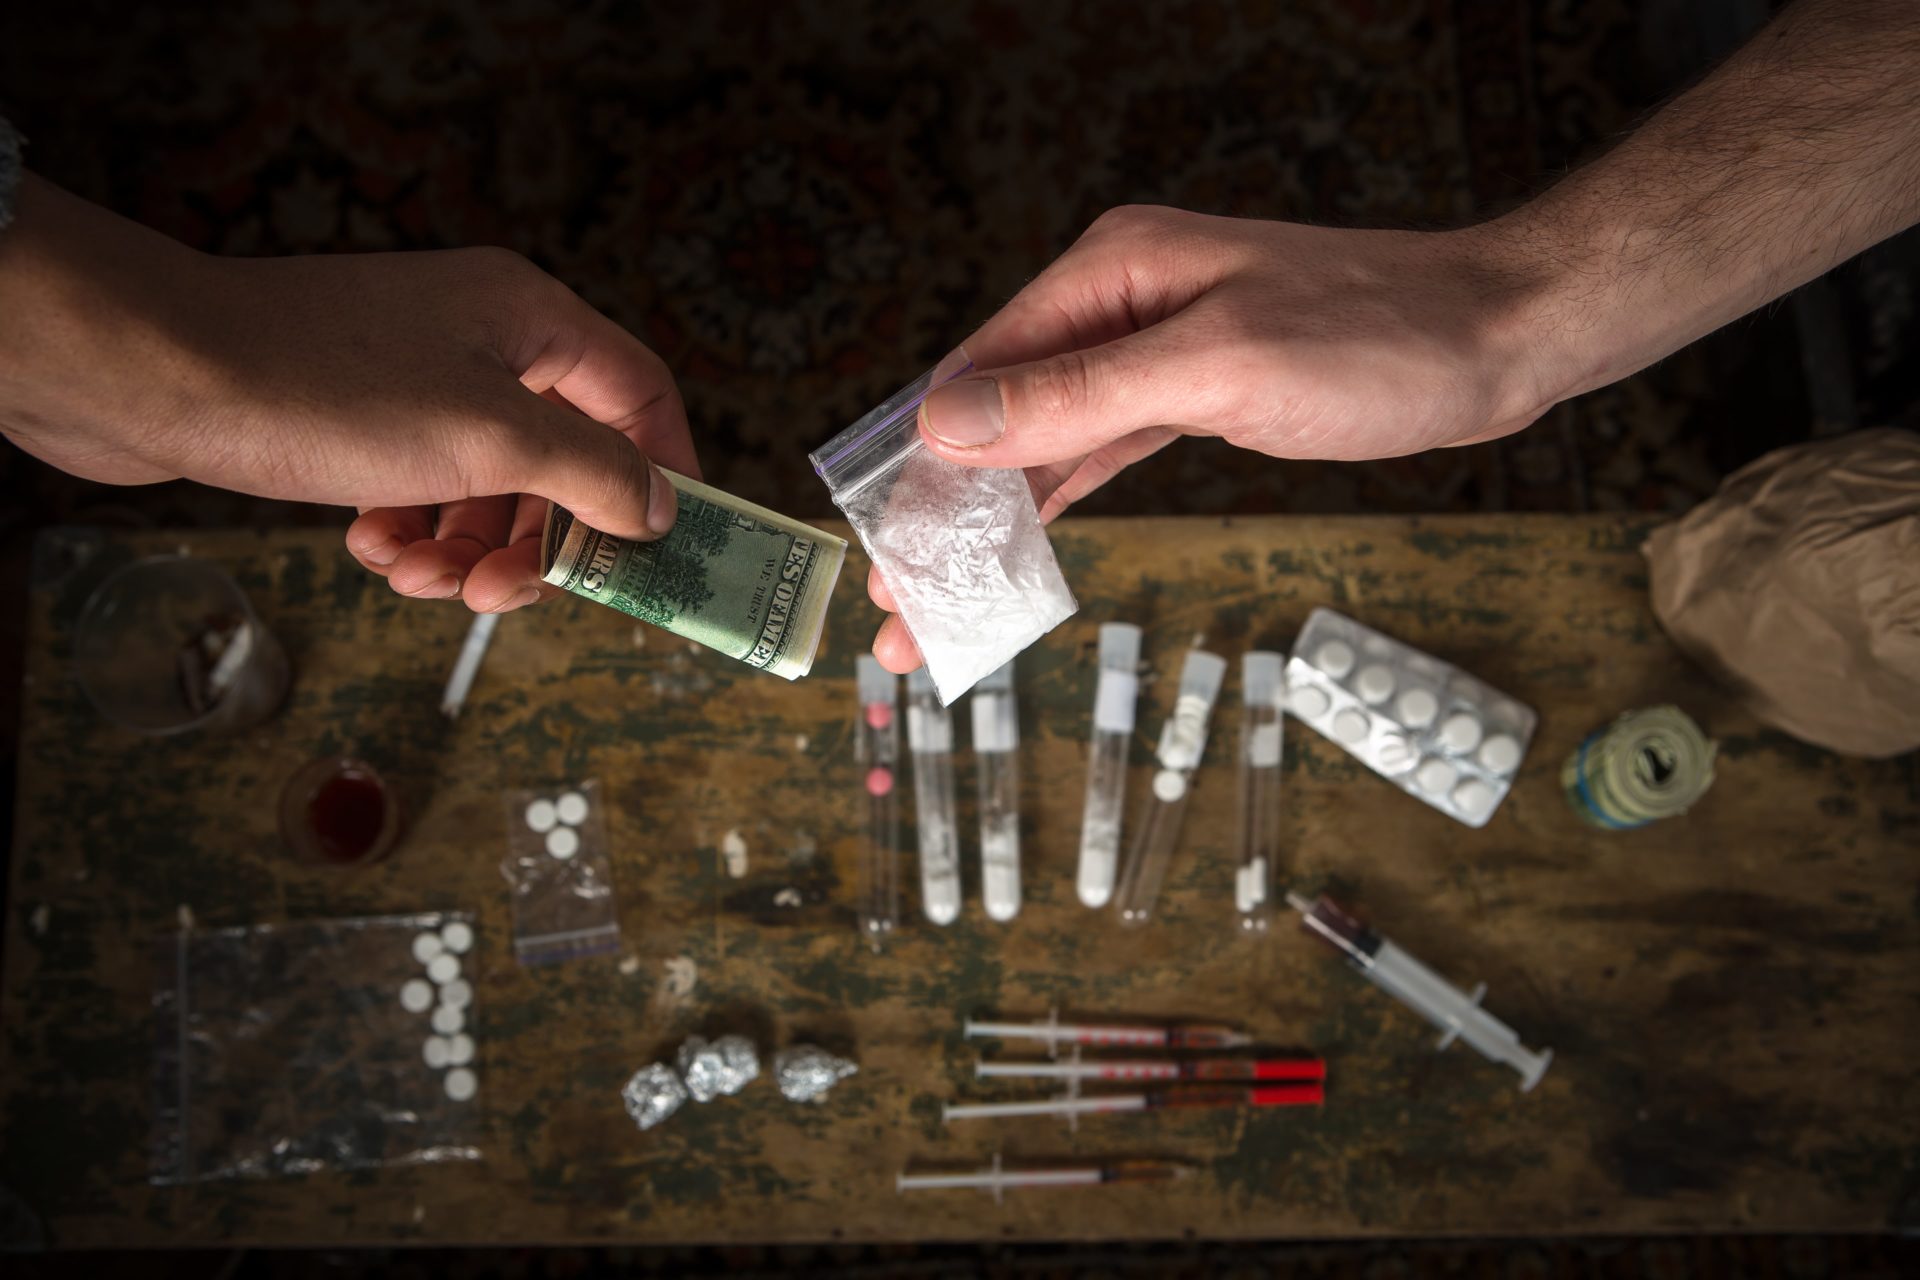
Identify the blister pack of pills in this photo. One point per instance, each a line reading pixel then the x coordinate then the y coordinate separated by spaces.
pixel 560 875
pixel 1426 726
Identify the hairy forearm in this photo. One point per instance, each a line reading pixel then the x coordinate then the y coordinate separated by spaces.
pixel 1797 153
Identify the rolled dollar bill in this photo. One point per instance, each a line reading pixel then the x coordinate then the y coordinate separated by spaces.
pixel 729 575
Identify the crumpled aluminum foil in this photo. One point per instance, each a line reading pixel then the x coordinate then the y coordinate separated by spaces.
pixel 724 1066
pixel 805 1072
pixel 653 1094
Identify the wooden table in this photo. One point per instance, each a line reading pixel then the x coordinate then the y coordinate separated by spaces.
pixel 1733 997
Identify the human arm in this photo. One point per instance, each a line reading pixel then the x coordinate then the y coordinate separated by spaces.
pixel 447 395
pixel 1298 341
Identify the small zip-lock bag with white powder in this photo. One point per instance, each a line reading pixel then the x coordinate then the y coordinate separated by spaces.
pixel 960 548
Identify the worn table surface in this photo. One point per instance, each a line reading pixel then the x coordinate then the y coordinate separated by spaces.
pixel 1733 997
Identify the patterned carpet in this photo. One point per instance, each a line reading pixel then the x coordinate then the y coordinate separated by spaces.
pixel 801 206
pixel 801 211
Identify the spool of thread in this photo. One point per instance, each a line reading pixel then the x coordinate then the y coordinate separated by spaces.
pixel 1646 765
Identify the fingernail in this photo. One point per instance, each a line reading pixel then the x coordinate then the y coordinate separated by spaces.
pixel 439 589
pixel 384 554
pixel 521 599
pixel 965 413
pixel 660 503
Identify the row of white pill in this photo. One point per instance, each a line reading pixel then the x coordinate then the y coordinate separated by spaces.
pixel 439 951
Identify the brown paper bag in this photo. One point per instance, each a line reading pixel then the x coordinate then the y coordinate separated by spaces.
pixel 1798 584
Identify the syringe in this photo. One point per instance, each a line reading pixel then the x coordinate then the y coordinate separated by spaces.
pixel 1181 1035
pixel 1158 1069
pixel 1422 990
pixel 1183 741
pixel 930 739
pixel 1259 828
pixel 1114 698
pixel 996 739
pixel 1214 1096
pixel 877 748
pixel 998 1179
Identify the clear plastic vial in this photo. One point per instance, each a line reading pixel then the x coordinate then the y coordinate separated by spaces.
pixel 877 749
pixel 1114 701
pixel 930 741
pixel 1183 740
pixel 996 740
pixel 1261 692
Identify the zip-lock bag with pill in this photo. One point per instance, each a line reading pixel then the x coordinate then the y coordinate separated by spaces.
pixel 1426 726
pixel 285 1049
pixel 961 548
pixel 559 874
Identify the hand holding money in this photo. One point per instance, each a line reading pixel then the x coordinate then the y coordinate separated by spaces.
pixel 729 575
pixel 447 395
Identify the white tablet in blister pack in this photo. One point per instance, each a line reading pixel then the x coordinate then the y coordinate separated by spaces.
pixel 1424 725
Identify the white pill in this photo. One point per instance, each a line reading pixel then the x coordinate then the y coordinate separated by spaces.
pixel 563 842
pixel 1417 708
pixel 457 935
pixel 1309 702
pixel 1374 684
pixel 541 815
pixel 1435 776
pixel 426 946
pixel 1350 726
pixel 1335 658
pixel 572 808
pixel 1473 797
pixel 416 995
pixel 461 1084
pixel 1460 732
pixel 435 1051
pixel 1169 785
pixel 1500 753
pixel 448 1020
pixel 460 1050
pixel 444 968
pixel 1394 753
pixel 457 994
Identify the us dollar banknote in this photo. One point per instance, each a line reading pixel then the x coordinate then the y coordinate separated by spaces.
pixel 729 575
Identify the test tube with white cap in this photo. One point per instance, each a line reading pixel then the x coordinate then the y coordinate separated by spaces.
pixel 1183 741
pixel 930 740
pixel 1261 690
pixel 996 739
pixel 1456 1013
pixel 877 747
pixel 1114 698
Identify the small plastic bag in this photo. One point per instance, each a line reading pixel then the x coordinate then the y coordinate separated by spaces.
pixel 559 874
pixel 961 548
pixel 290 1048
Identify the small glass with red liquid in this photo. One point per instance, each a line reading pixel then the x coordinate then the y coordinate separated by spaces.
pixel 339 811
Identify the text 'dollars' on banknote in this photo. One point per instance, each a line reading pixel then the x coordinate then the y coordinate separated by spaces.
pixel 729 575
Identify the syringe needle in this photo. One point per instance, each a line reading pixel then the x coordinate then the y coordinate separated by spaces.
pixel 1456 1013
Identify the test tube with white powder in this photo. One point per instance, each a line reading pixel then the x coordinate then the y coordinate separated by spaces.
pixel 1183 740
pixel 1114 698
pixel 930 740
pixel 1259 827
pixel 996 737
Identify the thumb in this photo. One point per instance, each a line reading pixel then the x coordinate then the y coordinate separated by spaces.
pixel 1059 408
pixel 592 470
